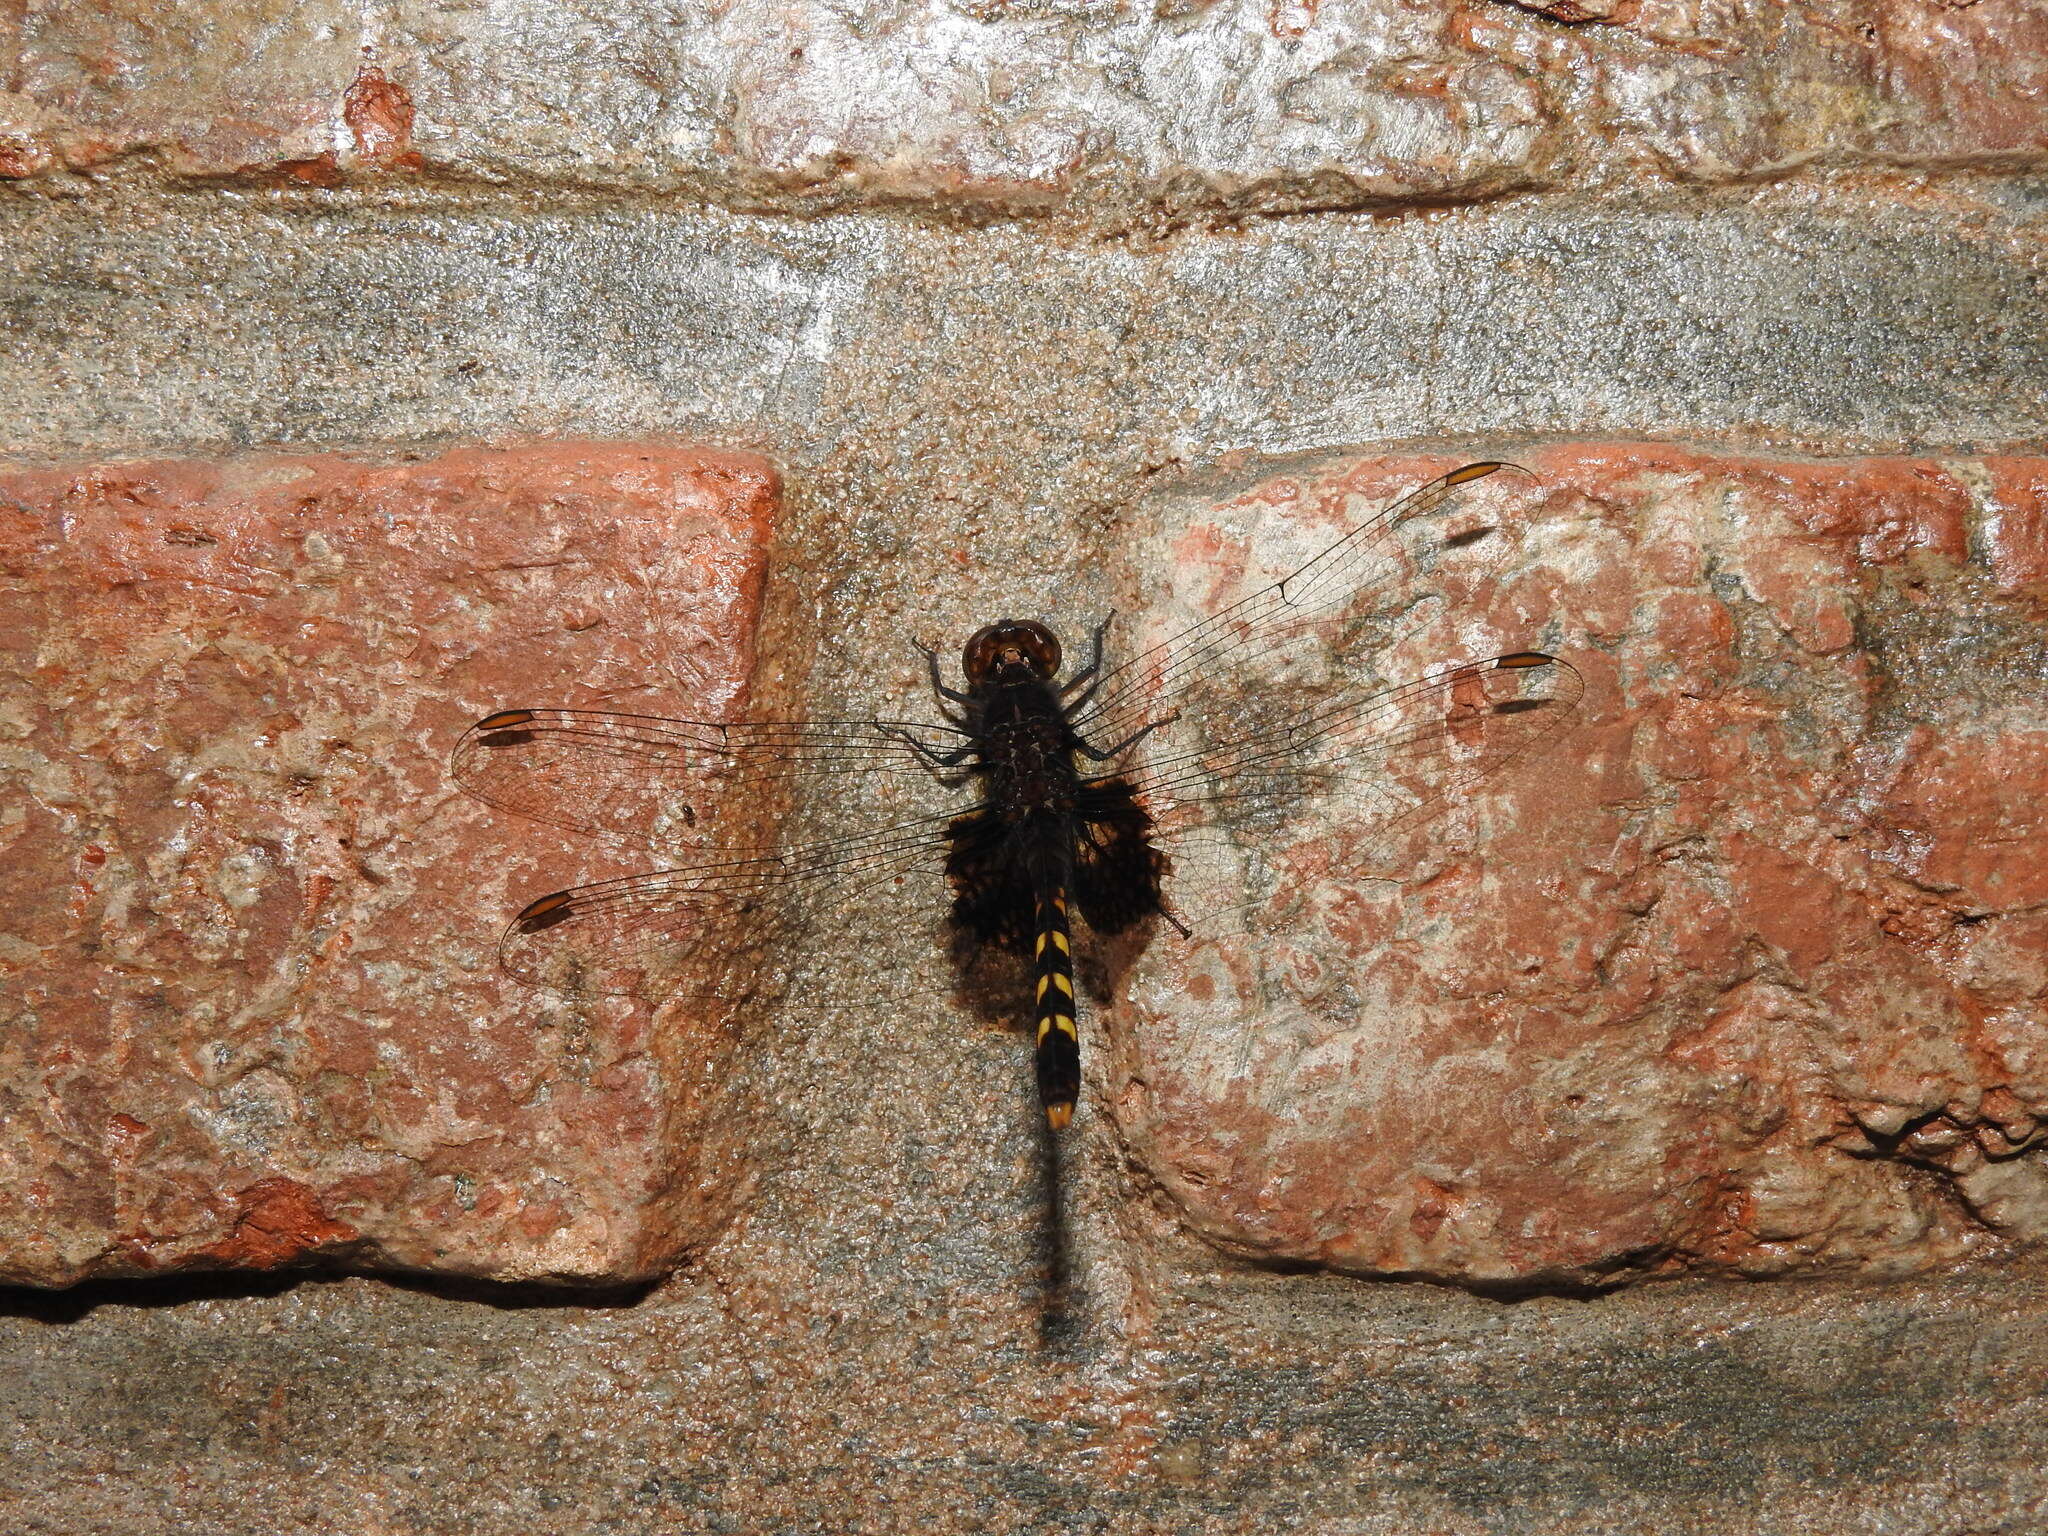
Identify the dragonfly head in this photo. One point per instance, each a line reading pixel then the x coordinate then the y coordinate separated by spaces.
pixel 1008 645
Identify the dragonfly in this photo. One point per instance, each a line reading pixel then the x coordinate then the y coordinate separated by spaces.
pixel 1053 794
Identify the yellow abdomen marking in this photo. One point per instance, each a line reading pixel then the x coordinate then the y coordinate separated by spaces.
pixel 1058 1054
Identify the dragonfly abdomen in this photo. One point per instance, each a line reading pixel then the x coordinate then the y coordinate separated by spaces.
pixel 1059 1046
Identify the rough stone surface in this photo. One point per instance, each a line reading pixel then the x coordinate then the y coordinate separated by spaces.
pixel 1241 106
pixel 736 1400
pixel 251 1012
pixel 1745 975
pixel 886 357
pixel 1787 229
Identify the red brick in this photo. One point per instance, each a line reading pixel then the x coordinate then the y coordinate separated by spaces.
pixel 223 86
pixel 1725 982
pixel 252 1009
pixel 2016 532
pixel 1373 100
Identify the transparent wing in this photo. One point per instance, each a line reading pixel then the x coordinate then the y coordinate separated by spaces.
pixel 1346 767
pixel 697 928
pixel 1366 563
pixel 645 781
pixel 1384 753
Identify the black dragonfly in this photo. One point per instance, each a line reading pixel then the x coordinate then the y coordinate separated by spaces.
pixel 1084 788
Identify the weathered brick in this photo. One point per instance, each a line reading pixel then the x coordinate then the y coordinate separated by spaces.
pixel 251 1008
pixel 212 88
pixel 1244 107
pixel 1744 975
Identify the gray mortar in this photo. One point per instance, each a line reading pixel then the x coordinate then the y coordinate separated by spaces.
pixel 1283 1403
pixel 863 1352
pixel 1783 319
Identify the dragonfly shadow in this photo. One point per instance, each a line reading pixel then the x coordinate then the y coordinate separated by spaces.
pixel 1062 1306
pixel 989 982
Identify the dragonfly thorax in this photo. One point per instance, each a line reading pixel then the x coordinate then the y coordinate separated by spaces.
pixel 1025 747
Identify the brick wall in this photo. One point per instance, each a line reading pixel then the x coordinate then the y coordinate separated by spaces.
pixel 1649 1142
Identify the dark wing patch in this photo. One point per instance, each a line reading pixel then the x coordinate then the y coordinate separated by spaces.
pixel 990 881
pixel 1117 870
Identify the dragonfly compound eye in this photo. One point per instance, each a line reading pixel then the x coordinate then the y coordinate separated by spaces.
pixel 1010 643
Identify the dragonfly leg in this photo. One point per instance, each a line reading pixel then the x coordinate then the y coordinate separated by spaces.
pixel 1090 674
pixel 1105 754
pixel 931 660
pixel 937 762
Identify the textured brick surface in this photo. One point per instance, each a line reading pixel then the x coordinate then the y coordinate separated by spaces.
pixel 251 1008
pixel 1250 105
pixel 1745 975
pixel 1776 229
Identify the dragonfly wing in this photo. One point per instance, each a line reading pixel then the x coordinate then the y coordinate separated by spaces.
pixel 699 927
pixel 1369 562
pixel 1356 762
pixel 642 780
